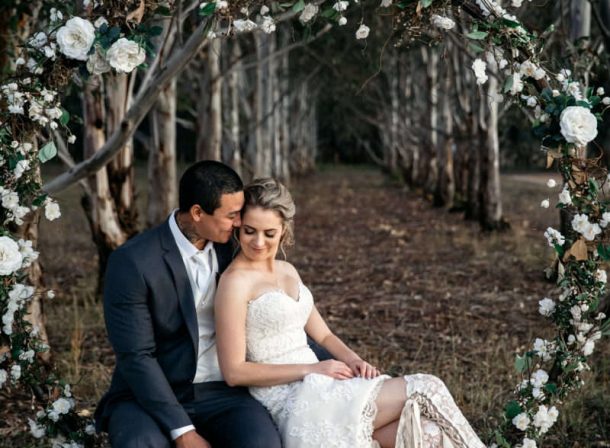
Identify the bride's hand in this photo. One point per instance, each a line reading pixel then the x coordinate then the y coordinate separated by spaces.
pixel 363 369
pixel 335 369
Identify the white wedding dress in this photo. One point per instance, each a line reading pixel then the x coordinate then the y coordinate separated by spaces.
pixel 322 412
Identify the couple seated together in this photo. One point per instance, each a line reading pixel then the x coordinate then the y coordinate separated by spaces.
pixel 219 344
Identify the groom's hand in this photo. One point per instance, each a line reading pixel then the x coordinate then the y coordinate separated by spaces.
pixel 191 440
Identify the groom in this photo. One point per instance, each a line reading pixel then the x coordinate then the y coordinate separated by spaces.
pixel 159 312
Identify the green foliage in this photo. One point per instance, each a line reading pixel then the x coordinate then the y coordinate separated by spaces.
pixel 47 152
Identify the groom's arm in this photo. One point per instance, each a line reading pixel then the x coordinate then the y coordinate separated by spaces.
pixel 130 330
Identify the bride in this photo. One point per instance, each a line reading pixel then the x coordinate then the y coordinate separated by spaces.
pixel 263 316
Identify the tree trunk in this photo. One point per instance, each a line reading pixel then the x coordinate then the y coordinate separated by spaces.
pixel 473 164
pixel 431 58
pixel 212 131
pixel 491 199
pixel 445 187
pixel 263 150
pixel 580 19
pixel 284 107
pixel 233 92
pixel 162 176
pixel 119 91
pixel 100 208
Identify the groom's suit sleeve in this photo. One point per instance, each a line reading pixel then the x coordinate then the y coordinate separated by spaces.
pixel 130 330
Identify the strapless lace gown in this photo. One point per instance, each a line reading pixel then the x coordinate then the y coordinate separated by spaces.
pixel 322 412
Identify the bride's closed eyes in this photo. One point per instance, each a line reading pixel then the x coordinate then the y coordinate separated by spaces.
pixel 268 233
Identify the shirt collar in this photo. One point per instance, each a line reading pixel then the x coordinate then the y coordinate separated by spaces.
pixel 187 249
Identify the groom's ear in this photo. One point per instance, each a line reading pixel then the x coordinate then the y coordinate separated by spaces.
pixel 196 212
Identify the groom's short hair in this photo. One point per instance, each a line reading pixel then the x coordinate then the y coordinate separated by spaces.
pixel 203 184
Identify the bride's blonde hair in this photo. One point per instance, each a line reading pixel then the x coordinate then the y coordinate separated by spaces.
pixel 270 194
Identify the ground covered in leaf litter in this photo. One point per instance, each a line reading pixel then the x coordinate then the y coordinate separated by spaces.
pixel 410 287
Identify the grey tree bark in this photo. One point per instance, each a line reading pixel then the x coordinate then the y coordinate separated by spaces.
pixel 162 172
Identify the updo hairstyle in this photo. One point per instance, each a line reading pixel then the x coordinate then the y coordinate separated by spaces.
pixel 269 194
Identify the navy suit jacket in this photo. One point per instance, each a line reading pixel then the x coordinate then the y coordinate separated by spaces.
pixel 152 326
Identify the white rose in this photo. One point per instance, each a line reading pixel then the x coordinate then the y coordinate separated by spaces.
pixel 340 6
pixel 565 197
pixel 72 139
pixel 10 200
pixel 362 32
pixel 516 3
pixel 62 406
pixel 601 276
pixel 521 421
pixel 75 38
pixel 444 23
pixel 517 85
pixel 342 21
pixel 578 125
pixel 51 210
pixel 21 167
pixel 268 25
pixel 97 63
pixel 479 66
pixel 10 257
pixel 528 443
pixel 242 26
pixel 588 348
pixel 600 91
pixel 264 10
pixel 124 55
pixel 546 306
pixel 3 377
pixel 308 13
pixel 36 430
pixel 385 3
pixel 551 183
pixel 545 203
pixel 580 223
pixel 16 372
pixel 539 378
pixel 591 231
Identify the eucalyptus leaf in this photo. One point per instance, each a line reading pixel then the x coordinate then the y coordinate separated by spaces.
pixel 207 10
pixel 522 363
pixel 512 409
pixel 426 3
pixel 477 35
pixel 299 6
pixel 47 152
pixel 65 117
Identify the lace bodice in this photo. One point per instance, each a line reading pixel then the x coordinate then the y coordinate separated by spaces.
pixel 275 328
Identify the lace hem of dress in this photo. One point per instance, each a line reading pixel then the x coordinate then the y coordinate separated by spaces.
pixel 369 412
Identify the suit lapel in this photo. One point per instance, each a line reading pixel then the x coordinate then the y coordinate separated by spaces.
pixel 174 262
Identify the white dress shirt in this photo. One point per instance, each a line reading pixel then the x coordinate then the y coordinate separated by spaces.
pixel 201 268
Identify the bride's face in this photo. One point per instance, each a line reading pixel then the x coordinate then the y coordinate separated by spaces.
pixel 260 233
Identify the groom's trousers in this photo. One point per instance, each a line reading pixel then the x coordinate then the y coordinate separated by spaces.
pixel 227 417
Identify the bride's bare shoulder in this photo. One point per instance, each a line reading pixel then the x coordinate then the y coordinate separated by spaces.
pixel 289 269
pixel 236 282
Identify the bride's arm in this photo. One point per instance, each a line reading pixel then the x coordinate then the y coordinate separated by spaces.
pixel 318 330
pixel 231 304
